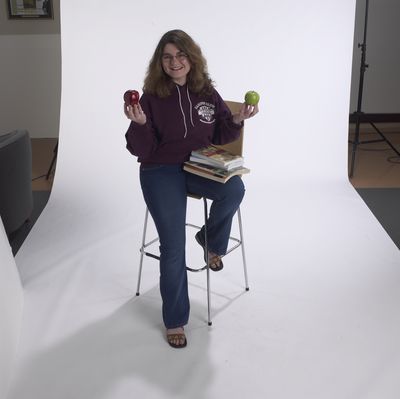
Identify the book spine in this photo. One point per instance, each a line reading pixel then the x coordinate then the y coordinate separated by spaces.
pixel 207 175
pixel 209 161
pixel 216 157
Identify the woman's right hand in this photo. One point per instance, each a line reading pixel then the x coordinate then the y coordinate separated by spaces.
pixel 135 113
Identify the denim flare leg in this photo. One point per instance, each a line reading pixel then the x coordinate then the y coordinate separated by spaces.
pixel 165 189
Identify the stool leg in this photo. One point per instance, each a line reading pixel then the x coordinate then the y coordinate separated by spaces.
pixel 243 251
pixel 142 251
pixel 207 260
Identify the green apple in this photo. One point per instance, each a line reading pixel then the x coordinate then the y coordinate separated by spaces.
pixel 251 98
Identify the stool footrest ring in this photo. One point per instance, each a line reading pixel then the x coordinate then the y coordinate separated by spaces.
pixel 191 269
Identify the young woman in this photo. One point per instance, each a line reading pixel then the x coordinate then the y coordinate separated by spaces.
pixel 180 111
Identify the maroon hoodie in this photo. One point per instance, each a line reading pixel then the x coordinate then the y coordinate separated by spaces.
pixel 176 125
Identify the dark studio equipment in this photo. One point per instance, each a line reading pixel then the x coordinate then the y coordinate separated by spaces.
pixel 358 116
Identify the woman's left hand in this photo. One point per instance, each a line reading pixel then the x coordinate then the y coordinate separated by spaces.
pixel 245 112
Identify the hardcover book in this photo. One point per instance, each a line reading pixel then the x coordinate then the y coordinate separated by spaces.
pixel 216 157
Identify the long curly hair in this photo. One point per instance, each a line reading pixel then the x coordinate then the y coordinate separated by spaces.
pixel 157 82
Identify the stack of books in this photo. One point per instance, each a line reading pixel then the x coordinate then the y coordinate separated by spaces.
pixel 215 163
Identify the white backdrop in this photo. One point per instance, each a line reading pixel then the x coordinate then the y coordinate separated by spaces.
pixel 11 306
pixel 322 270
pixel 288 52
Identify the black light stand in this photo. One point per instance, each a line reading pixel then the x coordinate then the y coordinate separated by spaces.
pixel 359 116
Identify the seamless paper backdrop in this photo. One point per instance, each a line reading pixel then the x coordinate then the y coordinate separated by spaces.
pixel 296 55
pixel 11 307
pixel 322 271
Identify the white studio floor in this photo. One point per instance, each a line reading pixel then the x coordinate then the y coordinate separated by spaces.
pixel 321 318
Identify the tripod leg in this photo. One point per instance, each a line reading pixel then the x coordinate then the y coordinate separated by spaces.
pixel 385 139
pixel 55 151
pixel 354 148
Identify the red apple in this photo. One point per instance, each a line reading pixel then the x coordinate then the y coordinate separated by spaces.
pixel 131 97
pixel 252 98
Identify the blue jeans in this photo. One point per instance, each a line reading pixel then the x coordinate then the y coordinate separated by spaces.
pixel 165 189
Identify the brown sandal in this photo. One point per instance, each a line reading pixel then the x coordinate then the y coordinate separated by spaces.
pixel 215 261
pixel 173 338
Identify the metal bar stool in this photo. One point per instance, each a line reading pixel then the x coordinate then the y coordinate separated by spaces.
pixel 238 242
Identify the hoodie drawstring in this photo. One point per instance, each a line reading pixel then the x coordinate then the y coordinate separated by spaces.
pixel 183 114
pixel 191 107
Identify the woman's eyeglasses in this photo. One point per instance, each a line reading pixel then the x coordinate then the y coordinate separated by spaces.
pixel 170 57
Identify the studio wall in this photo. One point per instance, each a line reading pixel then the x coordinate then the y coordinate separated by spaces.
pixel 30 74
